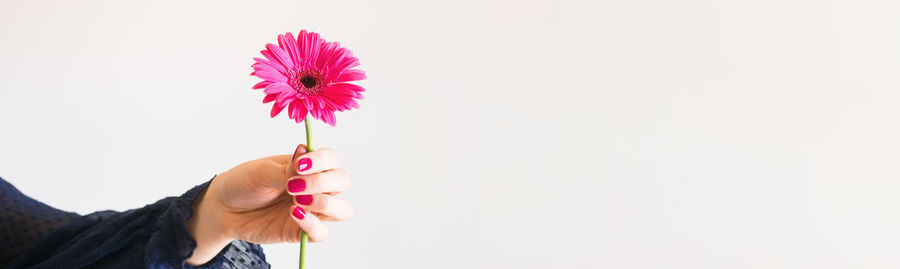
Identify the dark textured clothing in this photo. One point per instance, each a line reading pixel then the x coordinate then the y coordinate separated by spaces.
pixel 35 235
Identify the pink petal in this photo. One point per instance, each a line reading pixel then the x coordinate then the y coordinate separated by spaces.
pixel 353 104
pixel 271 58
pixel 274 65
pixel 314 110
pixel 268 73
pixel 269 98
pixel 338 101
pixel 286 96
pixel 350 75
pixel 284 93
pixel 261 84
pixel 319 103
pixel 345 88
pixel 289 44
pixel 301 113
pixel 334 56
pixel 309 44
pixel 328 117
pixel 280 55
pixel 298 111
pixel 325 52
pixel 292 110
pixel 277 87
pixel 302 43
pixel 345 62
pixel 276 108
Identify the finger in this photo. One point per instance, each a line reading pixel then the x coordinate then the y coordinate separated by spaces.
pixel 332 207
pixel 272 171
pixel 309 223
pixel 336 180
pixel 316 161
pixel 324 218
pixel 286 159
pixel 298 151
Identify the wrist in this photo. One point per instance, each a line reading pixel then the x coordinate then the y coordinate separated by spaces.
pixel 206 227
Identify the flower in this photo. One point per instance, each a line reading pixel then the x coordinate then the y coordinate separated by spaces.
pixel 308 74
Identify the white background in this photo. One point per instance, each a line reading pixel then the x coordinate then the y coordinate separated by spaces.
pixel 494 134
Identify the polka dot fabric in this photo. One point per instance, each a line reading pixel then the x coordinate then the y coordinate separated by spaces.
pixel 23 221
pixel 153 236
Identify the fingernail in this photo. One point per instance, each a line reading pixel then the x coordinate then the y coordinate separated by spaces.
pixel 304 199
pixel 297 185
pixel 304 164
pixel 299 213
pixel 297 152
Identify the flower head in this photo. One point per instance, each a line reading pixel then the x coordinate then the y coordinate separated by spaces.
pixel 308 75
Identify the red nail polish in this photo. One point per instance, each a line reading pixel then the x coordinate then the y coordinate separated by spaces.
pixel 299 213
pixel 304 164
pixel 304 199
pixel 296 185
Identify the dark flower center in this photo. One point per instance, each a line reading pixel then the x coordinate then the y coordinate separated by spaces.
pixel 308 82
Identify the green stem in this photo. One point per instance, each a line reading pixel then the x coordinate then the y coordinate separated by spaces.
pixel 309 148
pixel 309 140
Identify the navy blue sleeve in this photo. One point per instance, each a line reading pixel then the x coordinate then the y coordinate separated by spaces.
pixel 153 236
pixel 23 221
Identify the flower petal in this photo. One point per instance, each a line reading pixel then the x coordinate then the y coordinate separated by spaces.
pixel 328 117
pixel 299 111
pixel 273 61
pixel 325 51
pixel 289 44
pixel 312 106
pixel 333 57
pixel 268 73
pixel 285 97
pixel 269 98
pixel 310 43
pixel 283 93
pixel 277 87
pixel 292 109
pixel 261 84
pixel 347 88
pixel 350 75
pixel 275 65
pixel 276 108
pixel 345 62
pixel 280 55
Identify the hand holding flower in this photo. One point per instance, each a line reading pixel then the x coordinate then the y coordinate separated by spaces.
pixel 270 200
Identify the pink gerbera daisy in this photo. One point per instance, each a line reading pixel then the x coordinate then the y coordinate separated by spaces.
pixel 307 74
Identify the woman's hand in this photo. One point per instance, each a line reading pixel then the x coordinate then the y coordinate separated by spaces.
pixel 270 200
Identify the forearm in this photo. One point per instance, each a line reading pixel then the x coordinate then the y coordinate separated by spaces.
pixel 167 234
pixel 205 226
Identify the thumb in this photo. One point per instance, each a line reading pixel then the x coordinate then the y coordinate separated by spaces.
pixel 274 171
